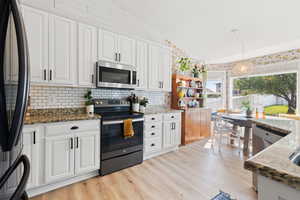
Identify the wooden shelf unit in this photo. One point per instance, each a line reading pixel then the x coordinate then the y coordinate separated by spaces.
pixel 196 121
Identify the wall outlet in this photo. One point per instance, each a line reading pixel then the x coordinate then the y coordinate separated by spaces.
pixel 52 100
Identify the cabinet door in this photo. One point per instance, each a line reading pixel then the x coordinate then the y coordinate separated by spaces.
pixel 126 47
pixel 59 157
pixel 36 24
pixel 62 49
pixel 142 64
pixel 31 148
pixel 154 81
pixel 87 153
pixel 87 54
pixel 168 135
pixel 108 46
pixel 166 67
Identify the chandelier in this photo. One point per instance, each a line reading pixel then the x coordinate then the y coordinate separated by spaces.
pixel 243 67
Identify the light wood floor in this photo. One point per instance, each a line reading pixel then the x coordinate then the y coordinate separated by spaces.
pixel 192 173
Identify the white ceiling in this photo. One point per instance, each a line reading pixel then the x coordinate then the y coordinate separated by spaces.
pixel 203 27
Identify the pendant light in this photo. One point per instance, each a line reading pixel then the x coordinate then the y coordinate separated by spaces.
pixel 244 67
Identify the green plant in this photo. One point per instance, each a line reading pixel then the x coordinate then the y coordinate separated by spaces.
pixel 196 70
pixel 246 104
pixel 184 64
pixel 144 101
pixel 89 98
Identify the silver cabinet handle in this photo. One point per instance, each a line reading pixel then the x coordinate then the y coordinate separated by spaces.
pixel 174 125
pixel 77 143
pixel 72 143
pixel 34 137
pixel 138 83
pixel 162 84
pixel 119 57
pixel 92 78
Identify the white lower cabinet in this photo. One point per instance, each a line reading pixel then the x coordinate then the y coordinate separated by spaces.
pixel 61 153
pixel 59 157
pixel 32 149
pixel 87 152
pixel 162 133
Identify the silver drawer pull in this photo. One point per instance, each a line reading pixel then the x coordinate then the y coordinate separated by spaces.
pixel 74 127
pixel 153 126
pixel 172 117
pixel 152 133
pixel 152 145
pixel 153 118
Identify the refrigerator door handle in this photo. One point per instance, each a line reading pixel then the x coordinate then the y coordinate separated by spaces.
pixel 23 82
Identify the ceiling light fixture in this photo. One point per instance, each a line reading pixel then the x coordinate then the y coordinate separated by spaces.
pixel 243 67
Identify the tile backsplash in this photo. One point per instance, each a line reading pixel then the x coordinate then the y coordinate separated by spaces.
pixel 69 97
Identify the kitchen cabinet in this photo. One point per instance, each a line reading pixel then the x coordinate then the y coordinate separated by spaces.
pixel 159 68
pixel 72 148
pixel 59 157
pixel 196 124
pixel 62 50
pixel 32 149
pixel 87 152
pixel 162 133
pixel 87 55
pixel 142 64
pixel 36 23
pixel 116 48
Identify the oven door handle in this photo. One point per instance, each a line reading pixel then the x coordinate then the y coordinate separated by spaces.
pixel 120 121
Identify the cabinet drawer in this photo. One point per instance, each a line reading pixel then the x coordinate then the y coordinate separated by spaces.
pixel 153 118
pixel 153 134
pixel 153 126
pixel 172 116
pixel 70 127
pixel 152 145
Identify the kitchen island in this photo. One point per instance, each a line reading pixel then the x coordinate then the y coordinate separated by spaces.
pixel 278 176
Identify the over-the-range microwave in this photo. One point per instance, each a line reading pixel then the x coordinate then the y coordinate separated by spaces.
pixel 115 75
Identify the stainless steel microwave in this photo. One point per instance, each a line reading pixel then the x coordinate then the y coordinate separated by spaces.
pixel 115 75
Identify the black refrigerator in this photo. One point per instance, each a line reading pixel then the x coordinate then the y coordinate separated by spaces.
pixel 14 167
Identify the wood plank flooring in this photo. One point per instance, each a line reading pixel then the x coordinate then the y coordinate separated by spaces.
pixel 195 172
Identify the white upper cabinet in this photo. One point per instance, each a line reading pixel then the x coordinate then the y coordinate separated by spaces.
pixel 166 68
pixel 116 48
pixel 87 55
pixel 87 152
pixel 78 7
pixel 153 72
pixel 107 46
pixel 59 157
pixel 62 50
pixel 36 23
pixel 142 64
pixel 126 50
pixel 159 68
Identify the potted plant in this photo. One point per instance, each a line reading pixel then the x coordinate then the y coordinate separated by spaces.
pixel 196 71
pixel 184 64
pixel 134 101
pixel 143 103
pixel 246 105
pixel 89 103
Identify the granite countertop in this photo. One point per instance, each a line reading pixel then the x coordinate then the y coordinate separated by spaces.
pixel 274 162
pixel 160 109
pixel 57 115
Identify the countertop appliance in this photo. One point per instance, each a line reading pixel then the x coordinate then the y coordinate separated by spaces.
pixel 118 152
pixel 13 102
pixel 115 75
pixel 263 137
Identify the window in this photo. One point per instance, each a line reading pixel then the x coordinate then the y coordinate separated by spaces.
pixel 214 91
pixel 273 94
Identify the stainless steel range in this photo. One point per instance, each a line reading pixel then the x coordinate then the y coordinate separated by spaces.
pixel 118 152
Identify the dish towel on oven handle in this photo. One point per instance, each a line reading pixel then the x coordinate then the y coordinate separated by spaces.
pixel 128 128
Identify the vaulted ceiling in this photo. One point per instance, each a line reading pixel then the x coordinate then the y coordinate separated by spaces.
pixel 203 27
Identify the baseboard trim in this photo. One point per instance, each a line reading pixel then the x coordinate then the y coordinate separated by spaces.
pixel 56 185
pixel 151 155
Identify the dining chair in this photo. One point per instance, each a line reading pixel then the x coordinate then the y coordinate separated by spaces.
pixel 222 128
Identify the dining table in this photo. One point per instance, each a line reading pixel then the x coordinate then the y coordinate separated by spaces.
pixel 240 120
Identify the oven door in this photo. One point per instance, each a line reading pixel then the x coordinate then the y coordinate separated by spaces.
pixel 115 75
pixel 113 142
